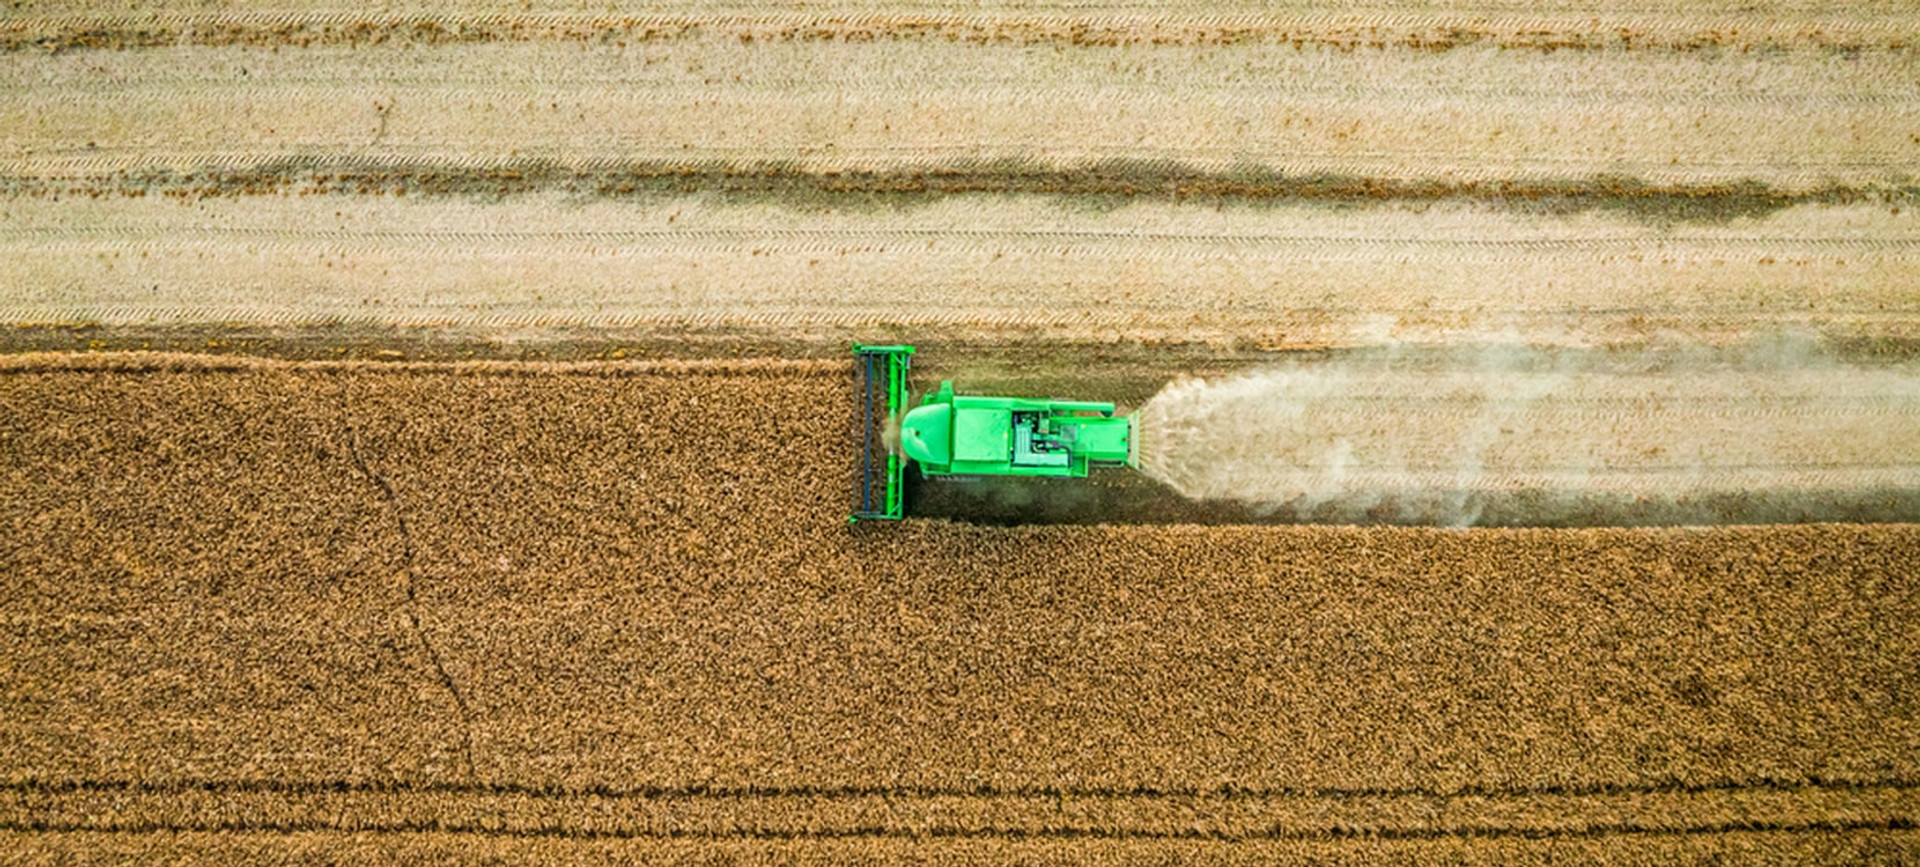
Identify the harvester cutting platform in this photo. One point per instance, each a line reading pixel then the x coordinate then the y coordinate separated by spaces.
pixel 952 434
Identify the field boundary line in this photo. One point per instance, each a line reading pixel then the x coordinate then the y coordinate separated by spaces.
pixel 947 833
pixel 180 362
pixel 883 813
pixel 719 792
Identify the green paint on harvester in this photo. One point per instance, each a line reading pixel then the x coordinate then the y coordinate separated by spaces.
pixel 952 434
pixel 878 458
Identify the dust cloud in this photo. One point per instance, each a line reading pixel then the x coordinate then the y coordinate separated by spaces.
pixel 1776 430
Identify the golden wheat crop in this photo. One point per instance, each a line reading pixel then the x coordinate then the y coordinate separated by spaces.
pixel 622 601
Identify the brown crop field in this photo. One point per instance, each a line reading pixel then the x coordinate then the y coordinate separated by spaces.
pixel 267 609
pixel 427 433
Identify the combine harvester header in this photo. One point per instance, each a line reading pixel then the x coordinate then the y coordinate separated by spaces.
pixel 952 434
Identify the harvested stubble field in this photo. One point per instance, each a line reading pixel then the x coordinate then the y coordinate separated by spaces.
pixel 1279 175
pixel 312 610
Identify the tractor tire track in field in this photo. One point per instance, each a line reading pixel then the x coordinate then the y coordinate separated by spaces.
pixel 507 810
pixel 409 580
pixel 427 847
pixel 965 240
pixel 1842 826
pixel 1527 27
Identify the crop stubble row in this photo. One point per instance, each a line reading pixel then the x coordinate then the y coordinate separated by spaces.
pixel 1433 93
pixel 1285 177
pixel 1161 270
pixel 404 585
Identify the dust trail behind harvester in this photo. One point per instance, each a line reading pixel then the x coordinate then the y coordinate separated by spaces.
pixel 1514 436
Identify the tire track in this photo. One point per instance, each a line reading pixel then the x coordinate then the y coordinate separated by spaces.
pixel 1570 792
pixel 1009 90
pixel 1837 826
pixel 409 579
pixel 803 813
pixel 810 240
pixel 1310 26
pixel 1306 329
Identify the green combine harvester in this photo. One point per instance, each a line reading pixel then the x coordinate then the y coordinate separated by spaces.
pixel 952 434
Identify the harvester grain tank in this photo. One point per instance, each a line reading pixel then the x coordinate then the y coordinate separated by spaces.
pixel 951 434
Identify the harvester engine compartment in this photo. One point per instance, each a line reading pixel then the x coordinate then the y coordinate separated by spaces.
pixel 1036 444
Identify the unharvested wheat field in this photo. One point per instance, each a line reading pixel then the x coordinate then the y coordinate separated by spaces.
pixel 426 432
pixel 318 600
